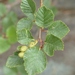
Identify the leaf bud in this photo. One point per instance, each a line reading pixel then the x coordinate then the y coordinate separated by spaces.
pixel 24 48
pixel 21 54
pixel 32 44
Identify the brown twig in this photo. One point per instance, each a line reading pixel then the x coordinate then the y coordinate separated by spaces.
pixel 41 2
pixel 40 38
pixel 43 30
pixel 40 33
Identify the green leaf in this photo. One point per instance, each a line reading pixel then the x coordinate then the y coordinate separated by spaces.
pixel 10 71
pixel 21 70
pixel 10 19
pixel 24 37
pixel 44 17
pixel 30 16
pixel 28 6
pixel 24 23
pixel 58 29
pixel 19 47
pixel 4 45
pixel 6 23
pixel 54 9
pixel 11 34
pixel 49 49
pixel 56 42
pixel 16 53
pixel 14 61
pixel 34 61
pixel 3 9
pixel 47 3
pixel 52 43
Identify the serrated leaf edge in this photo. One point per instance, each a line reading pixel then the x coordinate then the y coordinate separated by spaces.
pixel 60 40
pixel 47 53
pixel 47 9
pixel 25 19
pixel 37 72
pixel 65 26
pixel 40 71
pixel 30 7
pixel 13 66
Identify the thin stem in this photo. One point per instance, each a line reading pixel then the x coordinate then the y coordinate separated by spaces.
pixel 43 30
pixel 40 38
pixel 40 33
pixel 41 2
